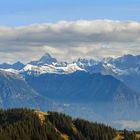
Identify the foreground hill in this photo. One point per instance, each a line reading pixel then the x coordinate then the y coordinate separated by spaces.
pixel 23 124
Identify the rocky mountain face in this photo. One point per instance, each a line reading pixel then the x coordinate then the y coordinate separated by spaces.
pixel 130 67
pixel 80 86
pixel 106 95
pixel 125 68
pixel 15 92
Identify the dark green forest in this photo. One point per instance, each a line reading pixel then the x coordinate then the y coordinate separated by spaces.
pixel 25 124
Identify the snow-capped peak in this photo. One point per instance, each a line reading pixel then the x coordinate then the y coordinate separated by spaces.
pixel 86 62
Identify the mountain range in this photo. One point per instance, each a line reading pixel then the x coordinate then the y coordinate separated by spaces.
pixel 125 68
pixel 106 90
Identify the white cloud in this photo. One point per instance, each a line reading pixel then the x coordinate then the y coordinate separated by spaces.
pixel 69 40
pixel 128 124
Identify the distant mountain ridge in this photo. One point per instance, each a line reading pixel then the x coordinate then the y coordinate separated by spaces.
pixel 16 66
pixel 124 65
pixel 125 68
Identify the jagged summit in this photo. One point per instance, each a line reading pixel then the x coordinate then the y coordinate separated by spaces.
pixel 45 59
pixel 47 55
pixel 18 65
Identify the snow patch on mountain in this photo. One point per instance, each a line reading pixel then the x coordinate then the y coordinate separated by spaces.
pixel 112 69
pixel 10 70
pixel 46 68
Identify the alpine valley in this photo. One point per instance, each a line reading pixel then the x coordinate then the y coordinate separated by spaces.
pixel 104 90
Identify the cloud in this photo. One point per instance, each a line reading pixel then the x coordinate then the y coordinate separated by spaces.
pixel 128 124
pixel 70 39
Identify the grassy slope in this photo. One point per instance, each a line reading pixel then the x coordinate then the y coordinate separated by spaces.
pixel 121 137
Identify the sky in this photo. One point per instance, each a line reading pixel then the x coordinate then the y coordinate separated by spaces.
pixel 17 13
pixel 68 29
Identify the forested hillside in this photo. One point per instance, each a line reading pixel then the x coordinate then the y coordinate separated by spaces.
pixel 24 124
